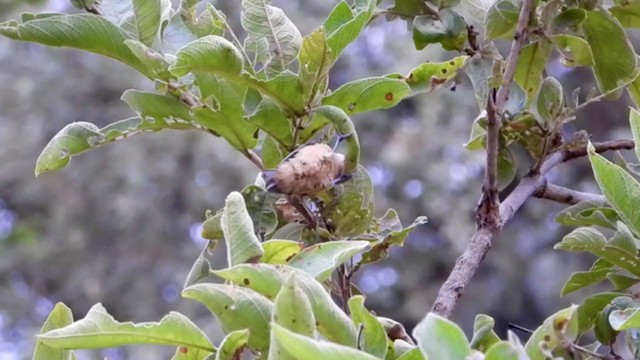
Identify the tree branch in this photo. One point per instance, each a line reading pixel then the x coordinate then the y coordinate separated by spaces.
pixel 490 215
pixel 565 195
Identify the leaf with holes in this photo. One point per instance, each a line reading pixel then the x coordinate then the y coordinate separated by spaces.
pixel 242 243
pixel 368 94
pixel 389 232
pixel 236 308
pixel 545 338
pixel 314 62
pixel 320 260
pixel 575 50
pixel 99 330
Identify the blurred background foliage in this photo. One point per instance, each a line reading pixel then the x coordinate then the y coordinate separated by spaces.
pixel 121 225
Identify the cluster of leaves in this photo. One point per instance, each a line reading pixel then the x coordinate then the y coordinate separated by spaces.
pixel 618 261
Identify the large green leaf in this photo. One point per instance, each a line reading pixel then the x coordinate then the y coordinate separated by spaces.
pixel 78 137
pixel 590 308
pixel 242 243
pixel 149 17
pixel 439 338
pixel 619 187
pixel 262 20
pixel 581 279
pixel 82 31
pixel 267 279
pixel 228 119
pixel 501 20
pixel 98 329
pixel 236 308
pixel 314 62
pixel 285 89
pixel 531 62
pixel 301 347
pixel 368 94
pixel 545 338
pixel 269 118
pixel 374 337
pixel 503 351
pixel 320 260
pixel 614 57
pixel 449 30
pixel 343 27
pixel 575 50
pixel 208 54
pixel 628 14
pixel 59 317
pixel 587 213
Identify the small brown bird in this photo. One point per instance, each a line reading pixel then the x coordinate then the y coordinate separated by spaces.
pixel 307 171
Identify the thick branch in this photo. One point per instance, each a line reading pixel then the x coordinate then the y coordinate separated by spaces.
pixel 480 242
pixel 565 195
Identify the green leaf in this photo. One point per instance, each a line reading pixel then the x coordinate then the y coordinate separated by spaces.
pixel 507 168
pixel 79 137
pixel 570 18
pixel 200 269
pixel 614 57
pixel 208 54
pixel 628 14
pixel 587 213
pixel 374 336
pixel 575 50
pixel 590 307
pixel 259 205
pixel 483 335
pixel 625 319
pixel 210 22
pixel 156 64
pixel 314 62
pixel 343 28
pixel 303 347
pixel 545 338
pixel 279 251
pixel 212 226
pixel 389 233
pixel 480 70
pixel 634 121
pixel 232 345
pixel 429 76
pixel 619 187
pixel 59 317
pixel 501 20
pixel 368 94
pixel 236 308
pixel 351 209
pixel 320 260
pixel 621 282
pixel 582 239
pixel 163 109
pixel 503 350
pixel 531 62
pixel 440 338
pixel 548 103
pixel 581 279
pixel 413 354
pixel 149 16
pixel 84 32
pixel 269 118
pixel 242 243
pixel 100 330
pixel 226 117
pixel 292 308
pixel 294 231
pixel 262 20
pixel 449 30
pixel 266 279
pixel 285 89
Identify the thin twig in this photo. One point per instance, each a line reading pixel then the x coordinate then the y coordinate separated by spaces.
pixel 565 195
pixel 569 154
pixel 254 158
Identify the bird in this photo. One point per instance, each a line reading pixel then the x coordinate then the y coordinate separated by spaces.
pixel 307 171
